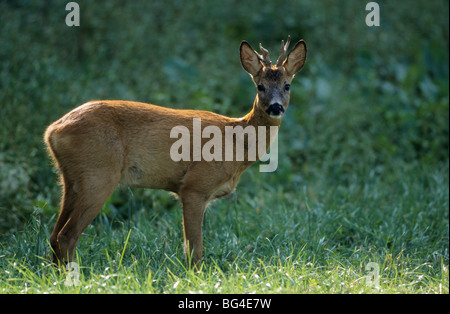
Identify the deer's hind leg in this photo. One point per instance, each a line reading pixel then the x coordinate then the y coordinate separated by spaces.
pixel 90 158
pixel 83 198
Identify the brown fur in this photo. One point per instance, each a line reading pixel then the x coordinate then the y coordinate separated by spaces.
pixel 105 143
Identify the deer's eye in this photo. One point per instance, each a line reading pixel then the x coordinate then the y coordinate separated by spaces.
pixel 287 87
pixel 261 88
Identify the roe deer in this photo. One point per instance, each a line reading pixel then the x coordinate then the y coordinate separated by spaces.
pixel 104 143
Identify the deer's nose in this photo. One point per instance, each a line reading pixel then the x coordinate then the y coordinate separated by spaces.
pixel 275 110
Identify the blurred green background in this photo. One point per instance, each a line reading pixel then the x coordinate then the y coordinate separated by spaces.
pixel 370 100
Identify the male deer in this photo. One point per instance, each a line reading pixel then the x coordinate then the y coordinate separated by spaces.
pixel 101 144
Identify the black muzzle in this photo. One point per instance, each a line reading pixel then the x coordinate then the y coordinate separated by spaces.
pixel 275 110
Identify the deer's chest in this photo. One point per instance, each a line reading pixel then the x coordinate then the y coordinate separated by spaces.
pixel 226 187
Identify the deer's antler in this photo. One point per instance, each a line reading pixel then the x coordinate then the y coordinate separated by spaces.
pixel 264 57
pixel 283 51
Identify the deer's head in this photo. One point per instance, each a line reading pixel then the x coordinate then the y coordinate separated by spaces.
pixel 273 81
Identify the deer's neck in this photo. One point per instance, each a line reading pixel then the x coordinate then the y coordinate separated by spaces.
pixel 258 118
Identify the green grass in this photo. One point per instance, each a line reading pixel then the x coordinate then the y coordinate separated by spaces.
pixel 317 239
pixel 363 174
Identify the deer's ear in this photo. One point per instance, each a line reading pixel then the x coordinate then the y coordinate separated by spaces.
pixel 249 59
pixel 296 58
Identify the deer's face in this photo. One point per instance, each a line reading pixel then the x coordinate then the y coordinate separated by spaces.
pixel 273 82
pixel 273 88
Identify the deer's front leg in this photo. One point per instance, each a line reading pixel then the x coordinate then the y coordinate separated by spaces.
pixel 194 206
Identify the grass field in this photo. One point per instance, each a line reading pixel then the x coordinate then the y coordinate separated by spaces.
pixel 359 202
pixel 264 239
